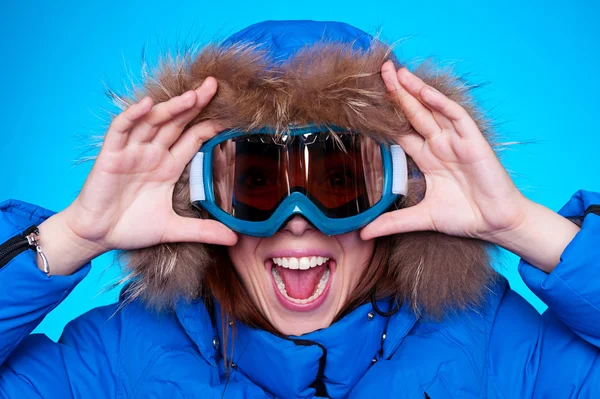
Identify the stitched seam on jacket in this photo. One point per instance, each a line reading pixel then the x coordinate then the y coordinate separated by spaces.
pixel 485 372
pixel 490 375
pixel 488 328
pixel 576 292
pixel 119 375
pixel 125 388
pixel 441 381
pixel 179 391
pixel 174 384
pixel 24 378
pixel 158 352
pixel 65 294
pixel 496 387
pixel 12 347
pixel 16 207
pixel 25 333
pixel 588 375
pixel 464 351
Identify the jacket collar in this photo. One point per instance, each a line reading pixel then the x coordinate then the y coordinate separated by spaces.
pixel 334 358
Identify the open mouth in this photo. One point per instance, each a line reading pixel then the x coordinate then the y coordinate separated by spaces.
pixel 301 283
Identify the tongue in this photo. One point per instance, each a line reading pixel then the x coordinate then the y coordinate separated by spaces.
pixel 301 284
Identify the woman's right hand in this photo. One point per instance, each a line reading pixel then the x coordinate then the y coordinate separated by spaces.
pixel 126 201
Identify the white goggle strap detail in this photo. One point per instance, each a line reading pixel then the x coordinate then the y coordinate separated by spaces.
pixel 399 170
pixel 197 178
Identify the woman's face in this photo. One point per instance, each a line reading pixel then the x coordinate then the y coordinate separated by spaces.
pixel 300 278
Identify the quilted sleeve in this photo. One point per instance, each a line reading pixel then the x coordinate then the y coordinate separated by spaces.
pixel 556 354
pixel 83 362
pixel 572 290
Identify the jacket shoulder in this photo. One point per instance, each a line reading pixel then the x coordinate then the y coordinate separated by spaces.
pixel 159 355
pixel 143 336
pixel 453 351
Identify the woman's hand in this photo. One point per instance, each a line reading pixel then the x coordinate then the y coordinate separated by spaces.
pixel 126 201
pixel 468 193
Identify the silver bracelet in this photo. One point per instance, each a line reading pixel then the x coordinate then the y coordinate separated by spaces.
pixel 34 243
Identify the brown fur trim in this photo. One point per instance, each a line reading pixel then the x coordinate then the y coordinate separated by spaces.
pixel 325 83
pixel 163 273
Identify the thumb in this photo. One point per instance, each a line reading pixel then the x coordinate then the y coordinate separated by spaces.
pixel 185 229
pixel 415 218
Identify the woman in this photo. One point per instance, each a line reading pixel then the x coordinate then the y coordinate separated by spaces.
pixel 292 134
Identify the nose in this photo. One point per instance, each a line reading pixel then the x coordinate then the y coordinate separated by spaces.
pixel 297 225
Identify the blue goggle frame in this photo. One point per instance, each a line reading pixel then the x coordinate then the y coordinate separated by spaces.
pixel 395 181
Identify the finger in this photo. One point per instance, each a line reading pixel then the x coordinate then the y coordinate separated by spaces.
pixel 116 136
pixel 189 143
pixel 411 143
pixel 415 218
pixel 415 85
pixel 171 130
pixel 184 229
pixel 442 121
pixel 160 114
pixel 417 114
pixel 449 111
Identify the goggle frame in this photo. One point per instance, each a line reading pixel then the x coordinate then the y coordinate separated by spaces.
pixel 395 182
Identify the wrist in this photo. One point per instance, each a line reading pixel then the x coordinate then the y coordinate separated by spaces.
pixel 66 251
pixel 522 226
pixel 540 237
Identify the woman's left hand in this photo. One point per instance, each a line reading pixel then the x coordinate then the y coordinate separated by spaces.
pixel 468 191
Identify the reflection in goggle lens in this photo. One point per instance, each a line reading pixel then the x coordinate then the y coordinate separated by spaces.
pixel 342 175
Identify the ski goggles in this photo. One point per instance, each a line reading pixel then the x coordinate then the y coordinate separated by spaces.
pixel 255 181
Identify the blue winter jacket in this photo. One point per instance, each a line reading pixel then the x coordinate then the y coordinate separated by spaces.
pixel 503 350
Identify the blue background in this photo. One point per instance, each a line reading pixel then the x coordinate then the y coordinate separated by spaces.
pixel 540 58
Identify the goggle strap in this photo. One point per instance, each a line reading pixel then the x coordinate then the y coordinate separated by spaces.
pixel 197 178
pixel 399 170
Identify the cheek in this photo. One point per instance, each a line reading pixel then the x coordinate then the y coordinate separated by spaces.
pixel 357 252
pixel 243 255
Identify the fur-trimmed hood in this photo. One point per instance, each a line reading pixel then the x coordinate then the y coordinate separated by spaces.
pixel 279 73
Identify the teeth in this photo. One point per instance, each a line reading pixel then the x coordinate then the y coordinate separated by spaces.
pixel 303 263
pixel 318 291
pixel 293 263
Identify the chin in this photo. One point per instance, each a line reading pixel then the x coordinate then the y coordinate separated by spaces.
pixel 300 326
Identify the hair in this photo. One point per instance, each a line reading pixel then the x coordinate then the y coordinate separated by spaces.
pixel 435 273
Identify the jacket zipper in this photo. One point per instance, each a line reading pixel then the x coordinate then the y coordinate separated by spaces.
pixel 318 384
pixel 15 245
pixel 592 209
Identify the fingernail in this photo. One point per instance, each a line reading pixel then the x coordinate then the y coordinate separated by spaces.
pixel 206 81
pixel 389 64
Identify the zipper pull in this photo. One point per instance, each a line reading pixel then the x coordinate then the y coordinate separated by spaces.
pixel 35 245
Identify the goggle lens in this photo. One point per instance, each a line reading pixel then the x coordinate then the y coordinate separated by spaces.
pixel 342 174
